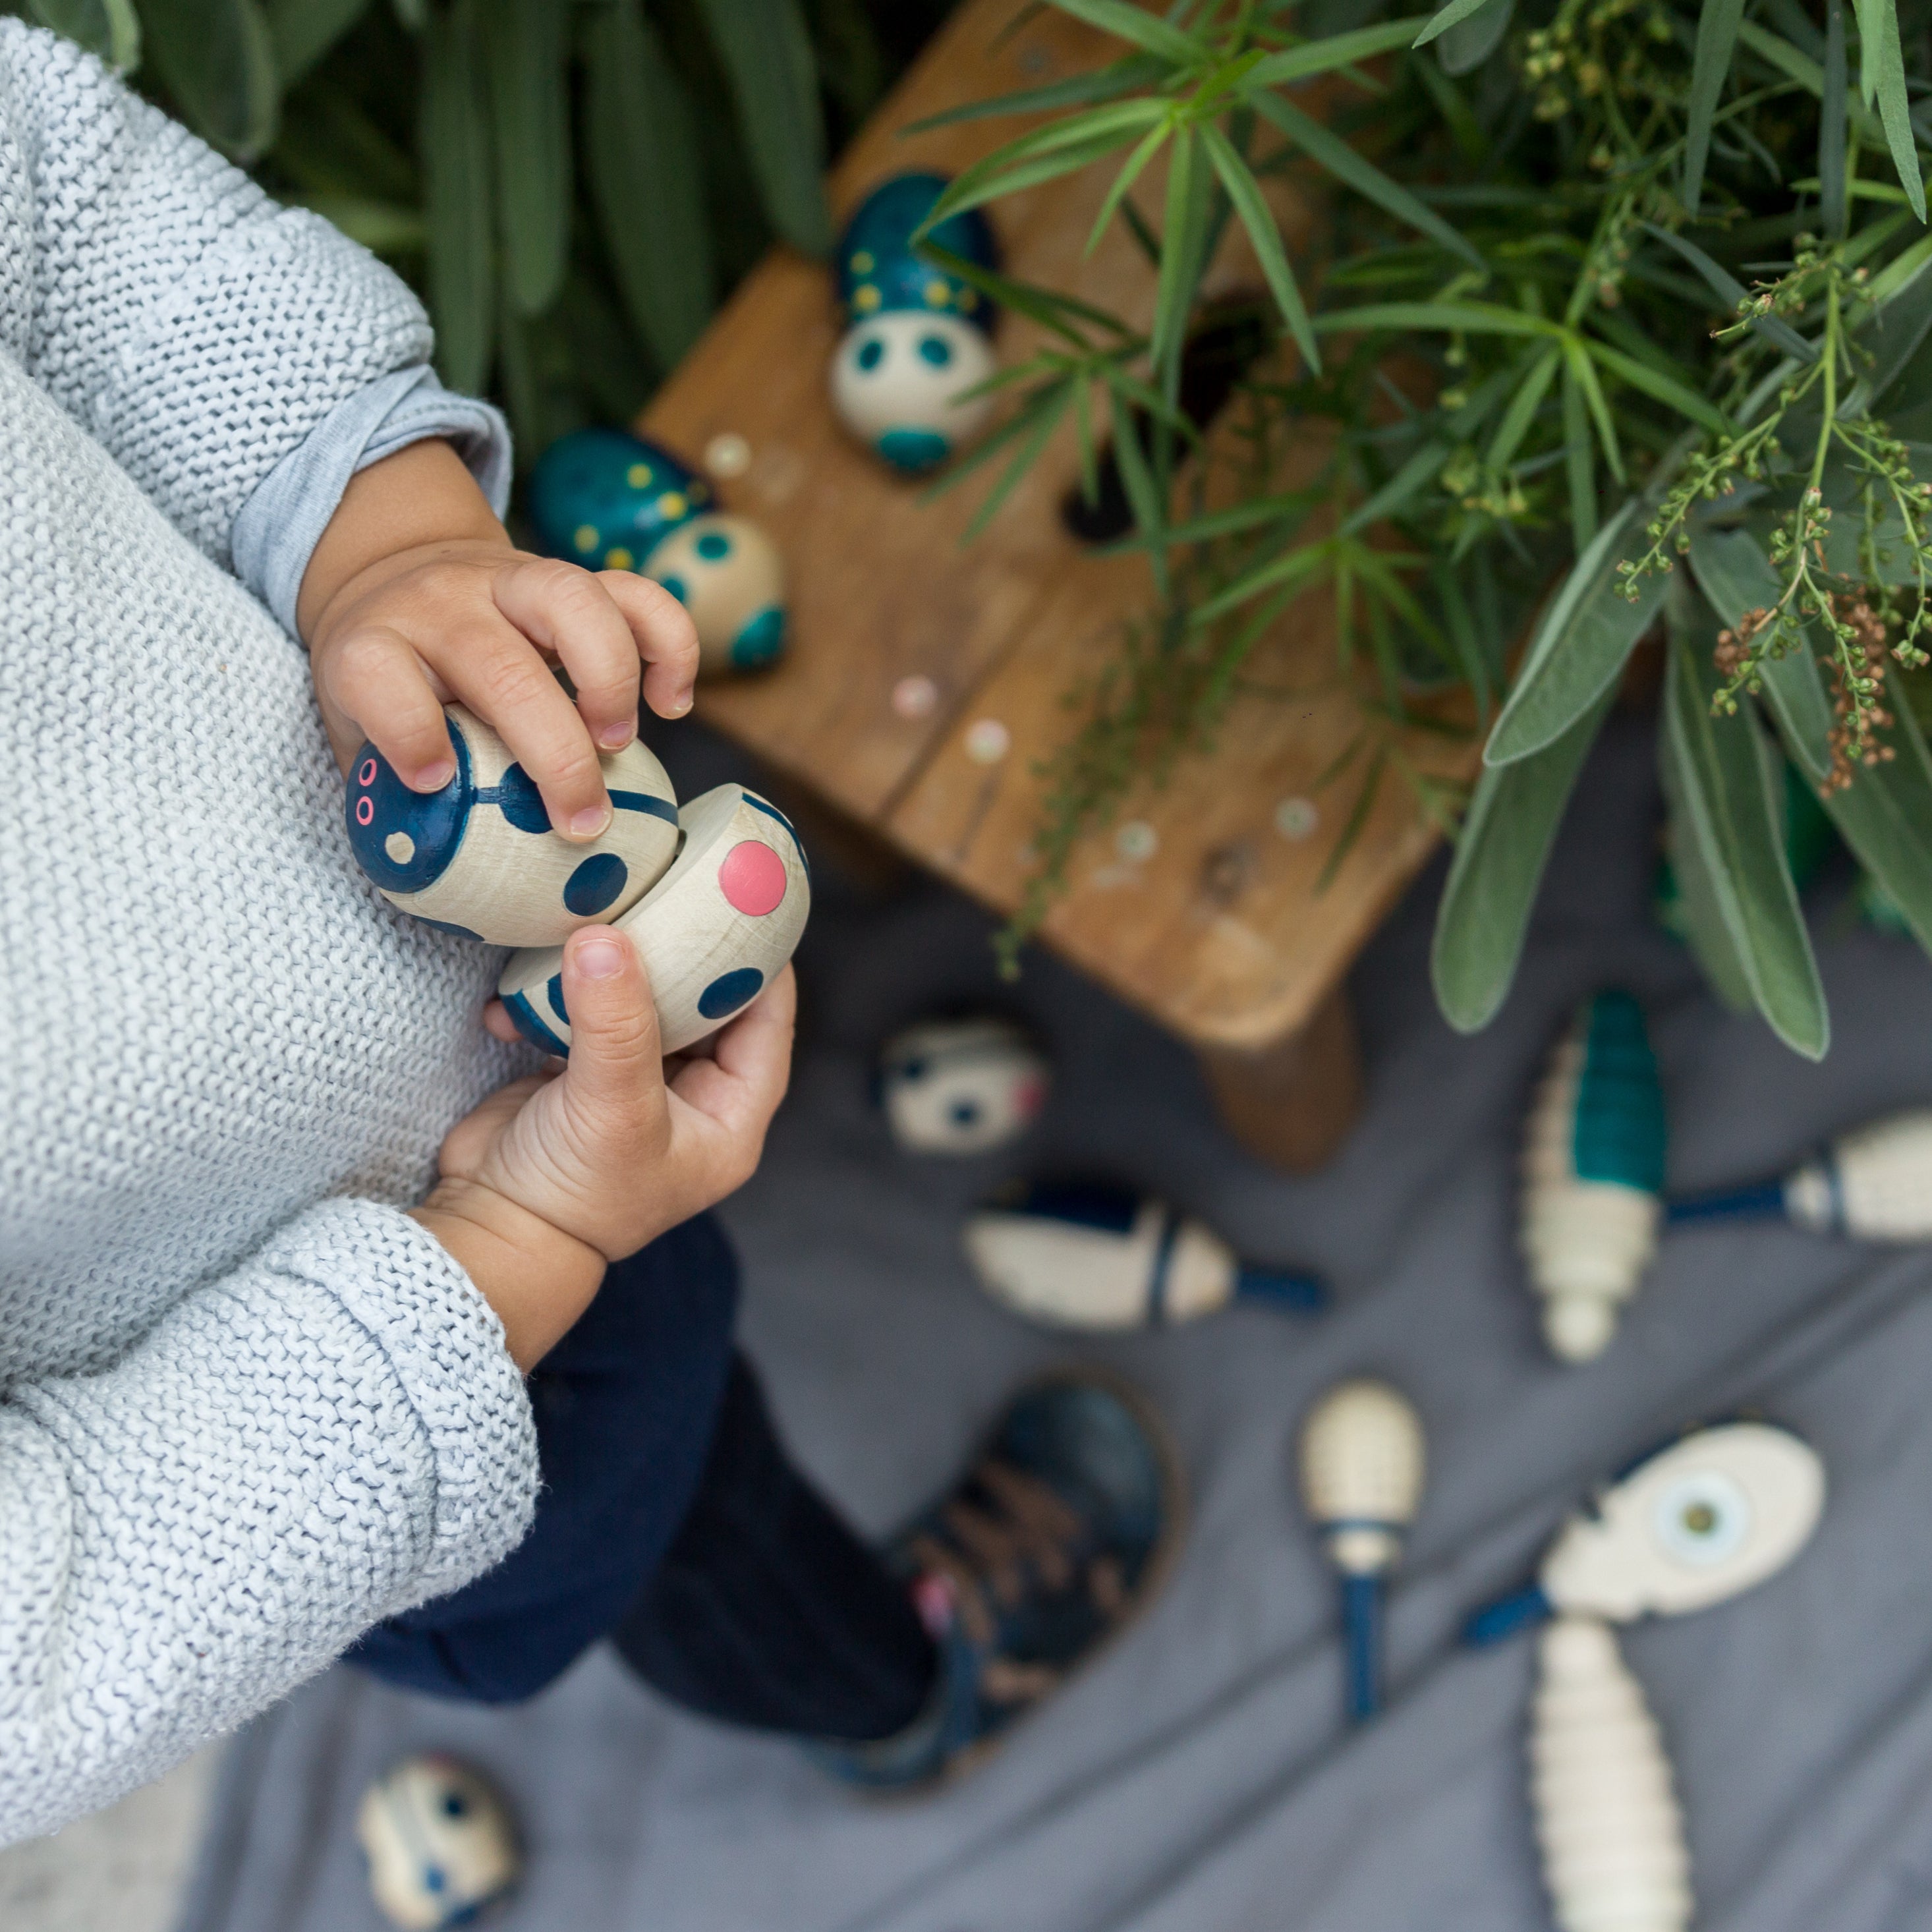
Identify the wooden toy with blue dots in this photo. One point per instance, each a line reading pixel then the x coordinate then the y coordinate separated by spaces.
pixel 917 338
pixel 714 894
pixel 610 500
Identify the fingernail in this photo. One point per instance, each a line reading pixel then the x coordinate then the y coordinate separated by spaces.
pixel 682 702
pixel 591 821
pixel 434 778
pixel 615 737
pixel 600 956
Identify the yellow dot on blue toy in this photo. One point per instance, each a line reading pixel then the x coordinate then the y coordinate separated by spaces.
pixel 937 293
pixel 585 538
pixel 619 558
pixel 638 476
pixel 673 506
pixel 865 299
pixel 861 262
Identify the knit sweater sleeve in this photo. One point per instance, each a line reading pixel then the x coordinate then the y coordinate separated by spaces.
pixel 198 330
pixel 328 1434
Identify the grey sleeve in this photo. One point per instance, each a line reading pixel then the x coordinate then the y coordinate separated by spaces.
pixel 330 1434
pixel 191 325
pixel 278 529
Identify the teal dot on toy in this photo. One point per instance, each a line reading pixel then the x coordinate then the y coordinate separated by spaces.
pixel 936 350
pixel 729 992
pixel 677 588
pixel 761 641
pixel 595 884
pixel 914 450
pixel 714 545
pixel 872 353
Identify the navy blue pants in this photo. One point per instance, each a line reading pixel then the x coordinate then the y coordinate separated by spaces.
pixel 670 1519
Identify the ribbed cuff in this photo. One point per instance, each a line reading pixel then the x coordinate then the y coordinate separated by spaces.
pixel 277 530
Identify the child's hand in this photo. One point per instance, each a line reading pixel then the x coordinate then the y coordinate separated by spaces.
pixel 608 1152
pixel 415 598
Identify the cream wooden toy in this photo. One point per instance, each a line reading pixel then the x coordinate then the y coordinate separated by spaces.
pixel 1713 1515
pixel 1100 1257
pixel 439 1843
pixel 1601 1792
pixel 918 338
pixel 961 1086
pixel 610 500
pixel 1875 1185
pixel 1362 1462
pixel 1593 1174
pixel 479 858
pixel 713 932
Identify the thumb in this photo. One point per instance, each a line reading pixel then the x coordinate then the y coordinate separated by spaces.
pixel 616 1067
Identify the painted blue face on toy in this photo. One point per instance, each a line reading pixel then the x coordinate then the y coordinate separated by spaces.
pixel 612 501
pixel 918 338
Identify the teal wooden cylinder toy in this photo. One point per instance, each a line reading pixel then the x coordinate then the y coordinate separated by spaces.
pixel 610 500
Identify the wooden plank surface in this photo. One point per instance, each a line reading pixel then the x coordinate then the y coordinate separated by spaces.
pixel 1217 932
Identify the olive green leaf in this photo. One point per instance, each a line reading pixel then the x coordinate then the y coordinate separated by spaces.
pixel 216 58
pixel 108 27
pixel 454 145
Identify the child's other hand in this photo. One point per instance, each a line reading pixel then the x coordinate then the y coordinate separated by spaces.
pixel 415 598
pixel 608 1153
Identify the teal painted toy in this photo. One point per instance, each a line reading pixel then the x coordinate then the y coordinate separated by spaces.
pixel 610 500
pixel 917 337
pixel 1593 1174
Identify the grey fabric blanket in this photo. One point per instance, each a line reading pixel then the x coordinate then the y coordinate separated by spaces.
pixel 1200 1778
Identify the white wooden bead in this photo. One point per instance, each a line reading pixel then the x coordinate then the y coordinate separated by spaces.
pixel 438 1840
pixel 1362 1467
pixel 712 933
pixel 1714 1515
pixel 479 857
pixel 1601 1792
pixel 728 573
pixel 906 371
pixel 1875 1183
pixel 961 1086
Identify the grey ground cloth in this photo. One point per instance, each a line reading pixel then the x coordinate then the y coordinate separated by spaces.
pixel 1199 1777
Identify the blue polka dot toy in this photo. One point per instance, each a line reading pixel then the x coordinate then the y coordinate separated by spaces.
pixel 917 337
pixel 713 932
pixel 610 500
pixel 479 858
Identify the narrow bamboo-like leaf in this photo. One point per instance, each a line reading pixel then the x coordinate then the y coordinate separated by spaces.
pixel 1472 318
pixel 1258 218
pixel 455 149
pixel 526 58
pixel 1731 292
pixel 1580 647
pixel 1146 31
pixel 1542 365
pixel 1052 308
pixel 1464 47
pixel 1895 331
pixel 1500 854
pixel 1453 15
pixel 215 57
pixel 1131 171
pixel 1080 90
pixel 1179 262
pixel 1699 409
pixel 301 31
pixel 1416 473
pixel 1780 54
pixel 766 53
pixel 1883 62
pixel 1044 152
pixel 640 154
pixel 1577 361
pixel 1329 151
pixel 1705 931
pixel 1579 462
pixel 1832 199
pixel 1717 23
pixel 108 27
pixel 1323 56
pixel 1736 818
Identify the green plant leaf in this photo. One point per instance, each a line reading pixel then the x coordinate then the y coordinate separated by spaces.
pixel 215 56
pixel 641 154
pixel 1080 90
pixel 767 53
pixel 1895 331
pixel 1327 150
pixel 1414 475
pixel 1147 31
pixel 1832 201
pixel 1718 24
pixel 1453 15
pixel 1705 931
pixel 1500 854
pixel 1882 80
pixel 384 227
pixel 1731 292
pixel 1735 813
pixel 301 31
pixel 1578 461
pixel 1686 401
pixel 1323 56
pixel 1464 47
pixel 1581 646
pixel 1541 366
pixel 108 27
pixel 526 51
pixel 1258 218
pixel 454 145
pixel 1472 318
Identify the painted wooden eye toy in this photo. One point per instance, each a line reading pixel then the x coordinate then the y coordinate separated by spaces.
pixel 961 1086
pixel 1593 1174
pixel 1362 1463
pixel 713 932
pixel 1096 1257
pixel 479 858
pixel 610 500
pixel 916 337
pixel 438 1841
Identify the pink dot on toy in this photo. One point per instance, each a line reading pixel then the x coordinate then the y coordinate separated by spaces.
pixel 752 877
pixel 365 810
pixel 367 775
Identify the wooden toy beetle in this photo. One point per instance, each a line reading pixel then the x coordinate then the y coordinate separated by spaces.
pixel 961 1086
pixel 439 1844
pixel 610 500
pixel 916 337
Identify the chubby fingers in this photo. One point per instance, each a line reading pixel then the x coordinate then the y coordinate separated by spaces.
pixel 568 612
pixel 740 1086
pixel 613 1083
pixel 374 686
pixel 663 636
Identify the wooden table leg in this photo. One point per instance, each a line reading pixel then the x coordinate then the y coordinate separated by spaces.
pixel 1292 1105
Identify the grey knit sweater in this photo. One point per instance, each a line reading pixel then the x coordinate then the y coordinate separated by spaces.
pixel 247 1406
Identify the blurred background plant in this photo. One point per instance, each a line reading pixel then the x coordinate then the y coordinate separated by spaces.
pixel 573 185
pixel 1623 300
